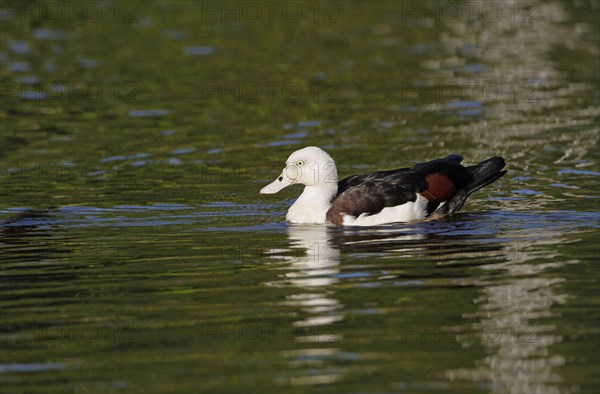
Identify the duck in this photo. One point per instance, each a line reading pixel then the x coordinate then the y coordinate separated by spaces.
pixel 426 191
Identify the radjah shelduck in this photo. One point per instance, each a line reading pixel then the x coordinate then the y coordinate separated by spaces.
pixel 427 190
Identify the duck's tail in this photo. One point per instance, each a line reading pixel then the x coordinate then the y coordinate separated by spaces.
pixel 482 174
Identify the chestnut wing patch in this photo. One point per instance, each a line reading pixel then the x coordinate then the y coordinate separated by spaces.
pixel 369 197
pixel 439 188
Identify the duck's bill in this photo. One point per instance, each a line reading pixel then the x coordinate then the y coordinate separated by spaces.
pixel 275 186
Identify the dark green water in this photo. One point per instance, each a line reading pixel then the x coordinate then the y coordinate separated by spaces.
pixel 138 256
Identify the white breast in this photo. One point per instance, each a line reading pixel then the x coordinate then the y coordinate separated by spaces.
pixel 312 205
pixel 304 213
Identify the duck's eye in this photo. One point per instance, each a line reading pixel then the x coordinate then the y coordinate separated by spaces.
pixel 280 178
pixel 300 163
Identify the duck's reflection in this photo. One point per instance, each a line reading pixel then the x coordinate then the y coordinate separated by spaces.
pixel 314 266
pixel 316 259
pixel 313 270
pixel 314 252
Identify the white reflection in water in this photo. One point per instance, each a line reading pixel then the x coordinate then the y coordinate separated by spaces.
pixel 314 264
pixel 520 358
pixel 312 256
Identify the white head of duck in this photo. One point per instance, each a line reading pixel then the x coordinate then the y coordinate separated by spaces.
pixel 316 170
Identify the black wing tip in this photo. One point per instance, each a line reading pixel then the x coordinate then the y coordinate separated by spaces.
pixel 497 161
pixel 454 157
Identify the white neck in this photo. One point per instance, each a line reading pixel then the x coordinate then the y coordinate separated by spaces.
pixel 313 204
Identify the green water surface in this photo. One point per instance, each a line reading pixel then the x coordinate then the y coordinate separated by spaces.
pixel 138 256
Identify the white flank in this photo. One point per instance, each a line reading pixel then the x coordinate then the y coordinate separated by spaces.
pixel 401 213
